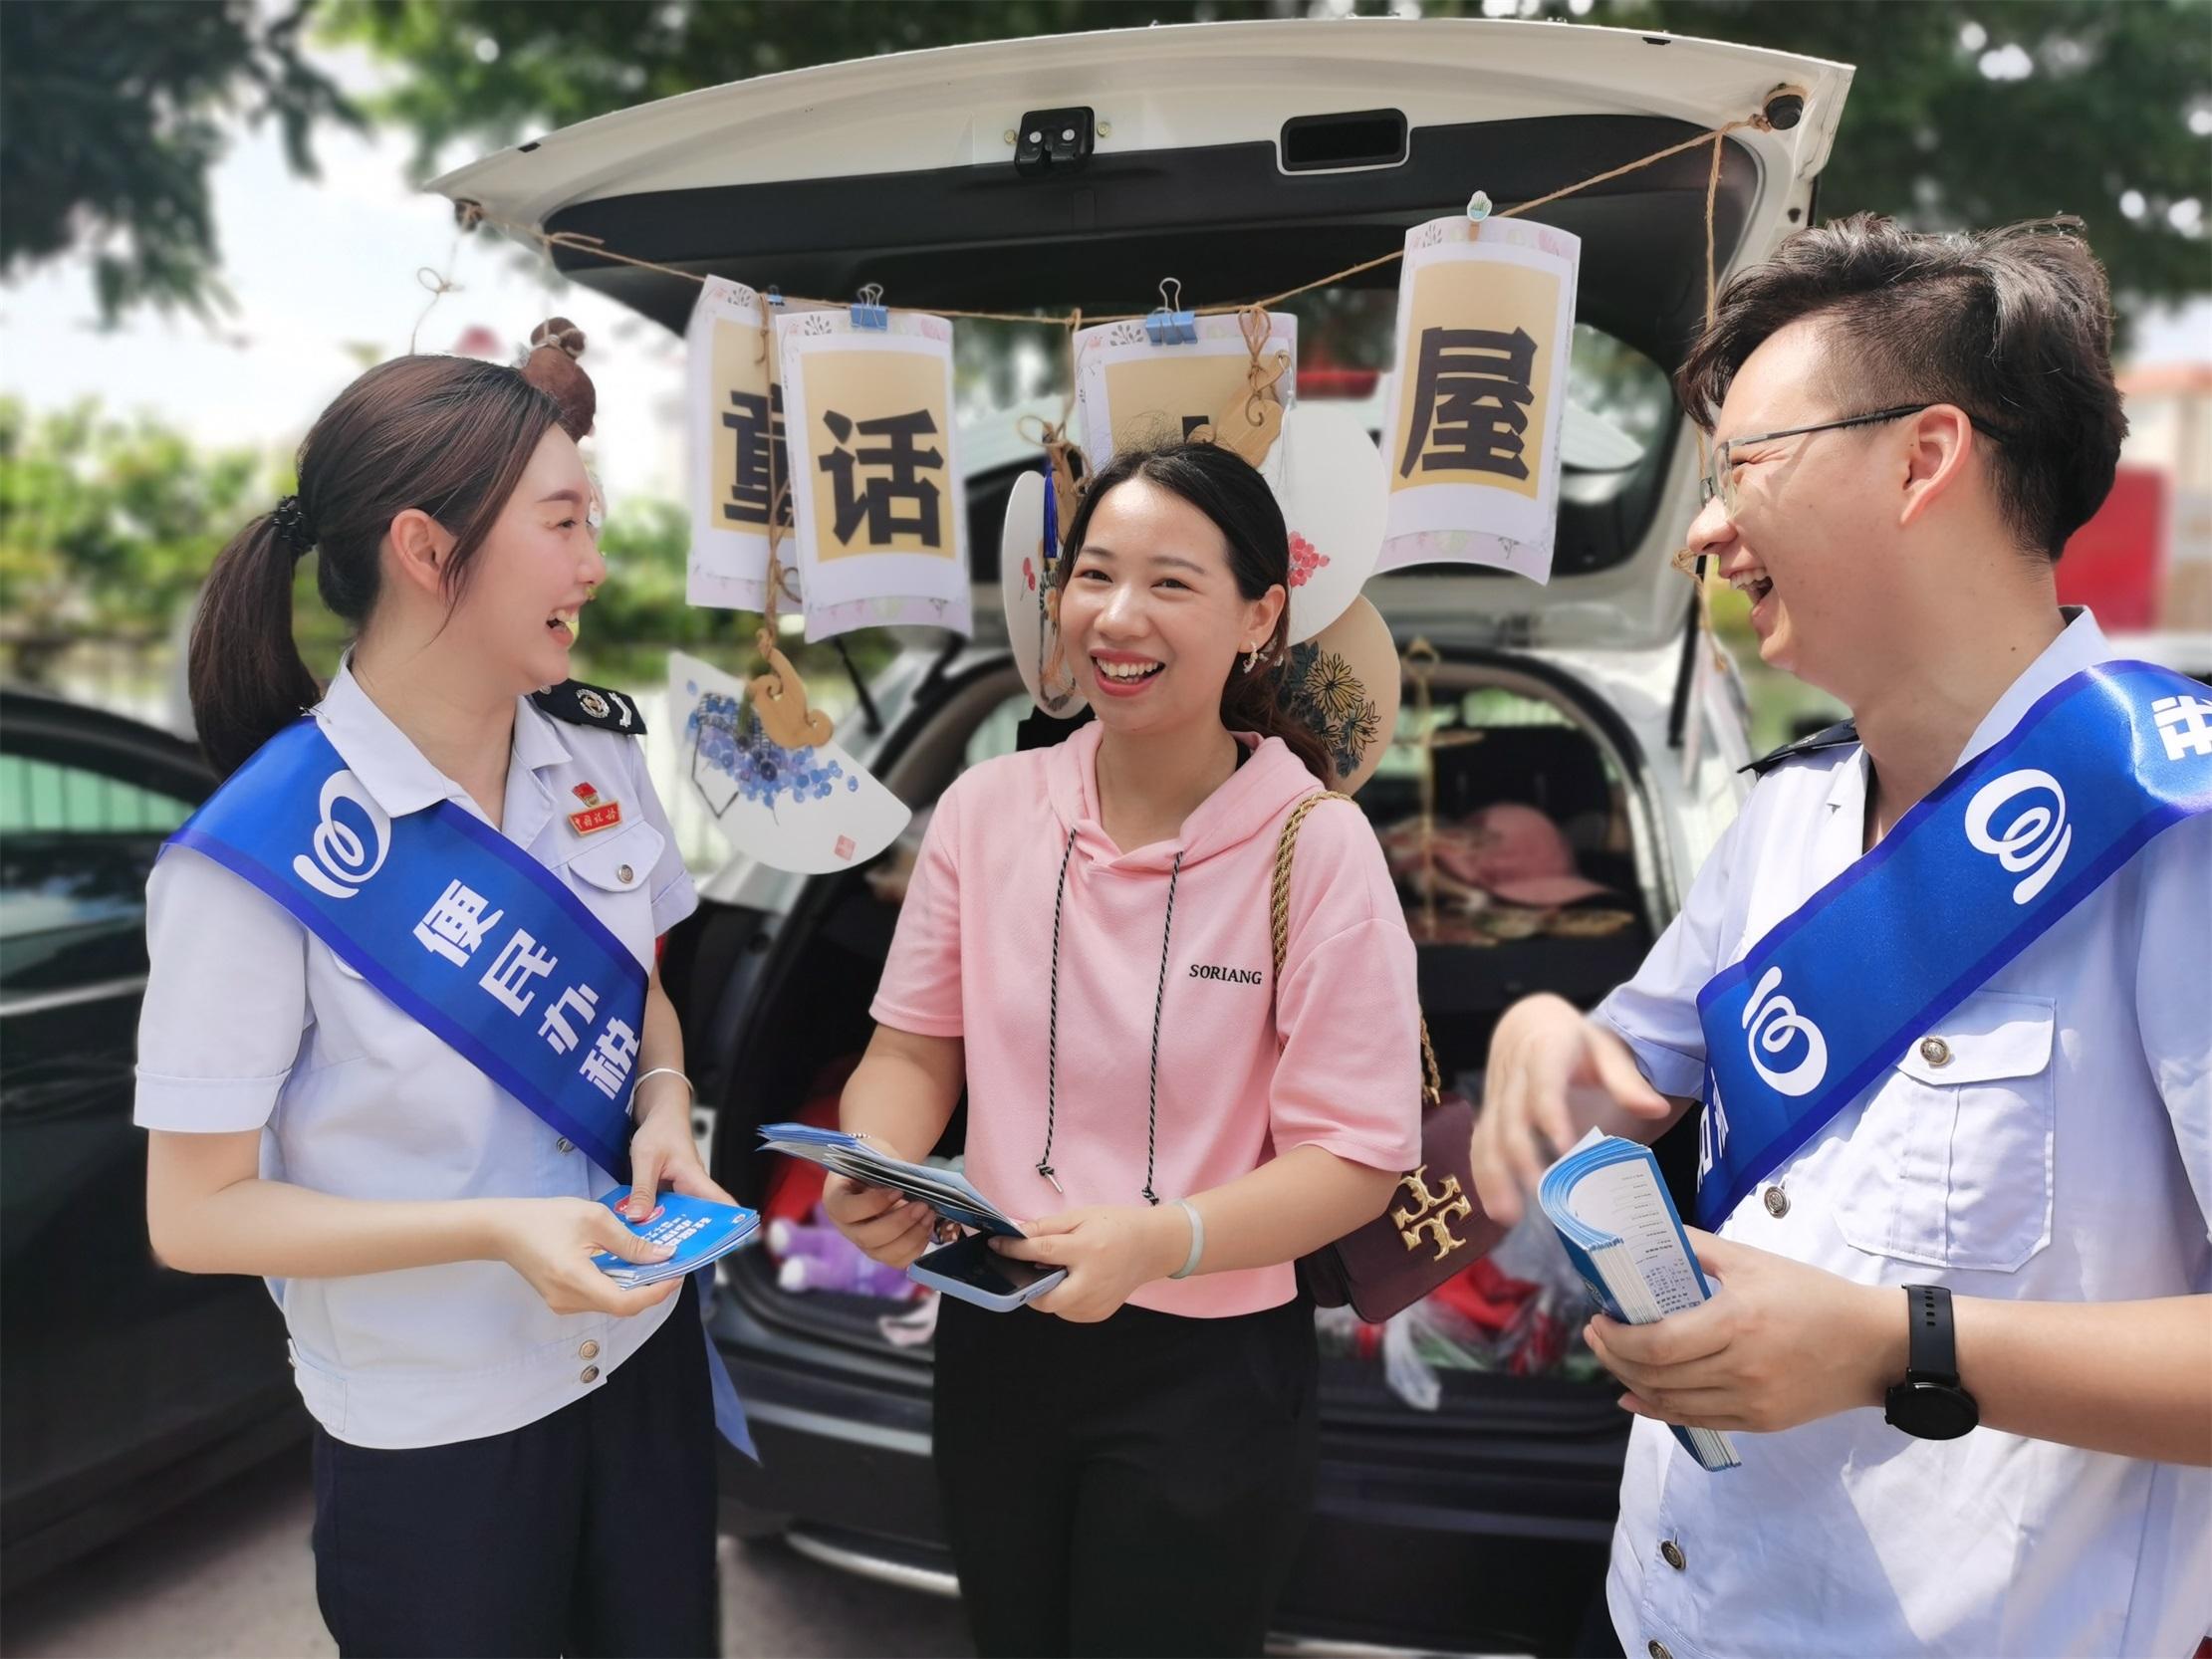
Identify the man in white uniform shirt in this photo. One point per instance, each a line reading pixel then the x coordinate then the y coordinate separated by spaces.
pixel 1907 428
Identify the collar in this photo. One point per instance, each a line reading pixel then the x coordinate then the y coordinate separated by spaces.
pixel 2082 645
pixel 397 773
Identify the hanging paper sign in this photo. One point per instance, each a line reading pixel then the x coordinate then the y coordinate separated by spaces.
pixel 880 522
pixel 735 417
pixel 1131 392
pixel 1025 575
pixel 1485 325
pixel 804 805
pixel 1334 497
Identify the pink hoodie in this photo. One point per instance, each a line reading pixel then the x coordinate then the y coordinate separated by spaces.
pixel 973 959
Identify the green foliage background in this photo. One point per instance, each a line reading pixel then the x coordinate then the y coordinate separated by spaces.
pixel 116 111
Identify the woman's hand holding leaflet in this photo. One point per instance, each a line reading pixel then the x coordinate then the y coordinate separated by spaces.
pixel 884 1225
pixel 550 1242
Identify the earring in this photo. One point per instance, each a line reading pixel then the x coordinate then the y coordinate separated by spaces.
pixel 1251 658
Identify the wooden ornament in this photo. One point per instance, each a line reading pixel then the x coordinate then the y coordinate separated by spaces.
pixel 779 701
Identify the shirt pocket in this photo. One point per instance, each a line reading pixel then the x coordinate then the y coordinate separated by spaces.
pixel 1953 1154
pixel 613 876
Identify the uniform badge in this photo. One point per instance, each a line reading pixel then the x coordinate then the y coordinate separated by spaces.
pixel 597 814
pixel 592 703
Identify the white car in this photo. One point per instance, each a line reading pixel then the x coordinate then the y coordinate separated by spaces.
pixel 1459 1508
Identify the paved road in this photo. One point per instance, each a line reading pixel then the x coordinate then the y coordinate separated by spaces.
pixel 230 1577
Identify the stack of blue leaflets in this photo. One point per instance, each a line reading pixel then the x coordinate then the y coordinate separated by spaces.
pixel 1622 1234
pixel 945 1191
pixel 701 1230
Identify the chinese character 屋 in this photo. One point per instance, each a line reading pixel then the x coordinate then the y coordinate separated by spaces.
pixel 518 962
pixel 1471 397
pixel 608 1065
pixel 560 1036
pixel 456 924
pixel 893 469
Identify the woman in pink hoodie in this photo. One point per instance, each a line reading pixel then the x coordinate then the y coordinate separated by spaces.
pixel 1084 949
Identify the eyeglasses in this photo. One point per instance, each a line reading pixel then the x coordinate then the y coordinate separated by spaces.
pixel 1720 471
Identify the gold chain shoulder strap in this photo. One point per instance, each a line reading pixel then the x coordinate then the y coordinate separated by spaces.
pixel 1279 918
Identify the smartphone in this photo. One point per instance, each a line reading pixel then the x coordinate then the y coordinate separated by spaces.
pixel 972 1271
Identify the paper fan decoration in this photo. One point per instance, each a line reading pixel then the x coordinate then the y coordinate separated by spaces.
pixel 1024 579
pixel 1335 493
pixel 1343 683
pixel 807 807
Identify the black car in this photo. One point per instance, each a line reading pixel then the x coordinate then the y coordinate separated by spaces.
pixel 126 1387
pixel 1459 1508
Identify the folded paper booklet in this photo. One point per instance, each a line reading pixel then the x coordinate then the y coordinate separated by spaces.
pixel 1624 1237
pixel 701 1230
pixel 945 1191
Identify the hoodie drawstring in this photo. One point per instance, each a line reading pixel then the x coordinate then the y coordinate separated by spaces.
pixel 1052 1042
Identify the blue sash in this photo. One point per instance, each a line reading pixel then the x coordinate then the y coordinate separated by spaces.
pixel 463 931
pixel 458 926
pixel 1970 878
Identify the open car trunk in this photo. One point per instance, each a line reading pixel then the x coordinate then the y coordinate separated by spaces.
pixel 1244 160
pixel 1512 732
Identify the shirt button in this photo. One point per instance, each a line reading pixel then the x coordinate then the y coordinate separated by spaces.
pixel 1671 1554
pixel 1657 1650
pixel 563 1144
pixel 590 1373
pixel 625 875
pixel 1778 1202
pixel 590 1350
pixel 1935 1051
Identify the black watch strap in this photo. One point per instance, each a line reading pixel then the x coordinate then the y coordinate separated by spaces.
pixel 1931 1346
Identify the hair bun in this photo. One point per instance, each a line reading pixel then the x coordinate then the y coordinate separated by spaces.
pixel 552 367
pixel 558 330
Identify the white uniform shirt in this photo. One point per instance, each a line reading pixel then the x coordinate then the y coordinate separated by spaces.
pixel 252 1022
pixel 2063 1152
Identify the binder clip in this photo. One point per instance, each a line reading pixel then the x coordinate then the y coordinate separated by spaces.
pixel 775 296
pixel 868 311
pixel 1170 324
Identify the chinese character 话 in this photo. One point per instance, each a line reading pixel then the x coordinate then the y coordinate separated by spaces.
pixel 893 469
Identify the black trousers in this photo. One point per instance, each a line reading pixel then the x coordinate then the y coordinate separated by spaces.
pixel 1137 1486
pixel 586 1532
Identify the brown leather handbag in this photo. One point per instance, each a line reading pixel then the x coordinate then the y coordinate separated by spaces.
pixel 1434 1226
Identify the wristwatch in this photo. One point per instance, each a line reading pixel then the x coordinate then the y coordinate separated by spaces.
pixel 1929 1404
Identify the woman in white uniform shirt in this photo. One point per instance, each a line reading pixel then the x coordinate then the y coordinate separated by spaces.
pixel 512 1454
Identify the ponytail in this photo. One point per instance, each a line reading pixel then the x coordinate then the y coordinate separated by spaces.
pixel 244 670
pixel 1231 493
pixel 451 436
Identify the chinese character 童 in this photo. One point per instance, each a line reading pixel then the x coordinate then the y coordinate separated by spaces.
pixel 758 422
pixel 608 1065
pixel 1471 399
pixel 560 1036
pixel 519 961
pixel 456 924
pixel 893 469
